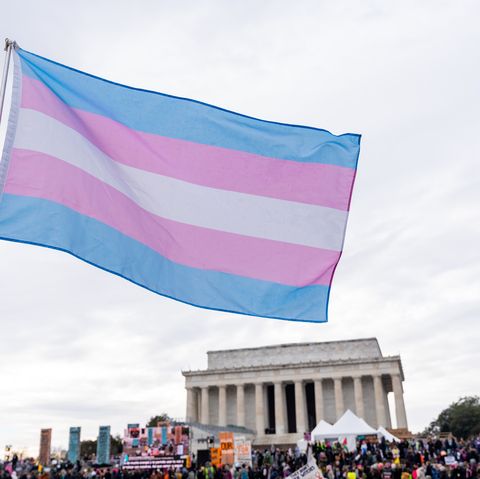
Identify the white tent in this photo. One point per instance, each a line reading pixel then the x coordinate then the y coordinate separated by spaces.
pixel 382 432
pixel 351 425
pixel 321 430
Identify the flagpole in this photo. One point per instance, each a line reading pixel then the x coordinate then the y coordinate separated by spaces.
pixel 9 45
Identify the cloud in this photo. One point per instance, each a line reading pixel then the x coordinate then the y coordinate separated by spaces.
pixel 81 347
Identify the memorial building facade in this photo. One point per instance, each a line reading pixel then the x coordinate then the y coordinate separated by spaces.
pixel 282 391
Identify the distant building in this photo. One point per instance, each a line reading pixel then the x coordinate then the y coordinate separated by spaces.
pixel 282 391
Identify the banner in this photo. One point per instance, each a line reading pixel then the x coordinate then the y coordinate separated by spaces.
pixel 243 451
pixel 74 444
pixel 103 445
pixel 215 456
pixel 309 471
pixel 178 434
pixel 161 440
pixel 152 463
pixel 227 447
pixel 45 447
pixel 150 434
pixel 196 203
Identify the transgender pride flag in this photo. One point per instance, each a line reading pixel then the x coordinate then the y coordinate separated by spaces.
pixel 193 202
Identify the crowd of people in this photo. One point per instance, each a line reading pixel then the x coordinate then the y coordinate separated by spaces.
pixel 409 459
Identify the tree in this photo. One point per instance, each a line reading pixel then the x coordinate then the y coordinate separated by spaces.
pixel 461 418
pixel 154 420
pixel 88 448
pixel 116 445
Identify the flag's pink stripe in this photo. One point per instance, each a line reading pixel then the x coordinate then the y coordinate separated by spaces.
pixel 326 185
pixel 42 176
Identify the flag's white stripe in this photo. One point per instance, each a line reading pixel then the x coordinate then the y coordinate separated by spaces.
pixel 177 200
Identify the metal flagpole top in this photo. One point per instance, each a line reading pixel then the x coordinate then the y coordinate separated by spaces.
pixel 9 44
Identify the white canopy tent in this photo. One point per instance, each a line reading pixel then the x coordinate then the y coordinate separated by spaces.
pixel 351 425
pixel 348 427
pixel 382 432
pixel 321 430
pixel 345 430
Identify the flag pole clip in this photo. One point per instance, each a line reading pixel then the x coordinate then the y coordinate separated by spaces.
pixel 9 46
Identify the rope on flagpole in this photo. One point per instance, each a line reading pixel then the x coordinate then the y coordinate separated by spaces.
pixel 9 45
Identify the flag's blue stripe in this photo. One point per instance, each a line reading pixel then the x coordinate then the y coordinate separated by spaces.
pixel 191 120
pixel 46 223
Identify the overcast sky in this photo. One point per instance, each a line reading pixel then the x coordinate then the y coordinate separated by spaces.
pixel 79 346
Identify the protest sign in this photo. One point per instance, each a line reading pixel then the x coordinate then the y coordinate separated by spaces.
pixel 243 451
pixel 309 471
pixel 227 447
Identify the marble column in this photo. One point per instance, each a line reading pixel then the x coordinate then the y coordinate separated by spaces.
pixel 358 392
pixel 198 403
pixel 240 405
pixel 204 419
pixel 222 405
pixel 300 412
pixel 279 408
pixel 379 401
pixel 388 419
pixel 318 400
pixel 339 407
pixel 400 411
pixel 191 416
pixel 259 410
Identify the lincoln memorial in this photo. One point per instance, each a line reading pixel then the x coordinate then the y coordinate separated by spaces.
pixel 281 391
